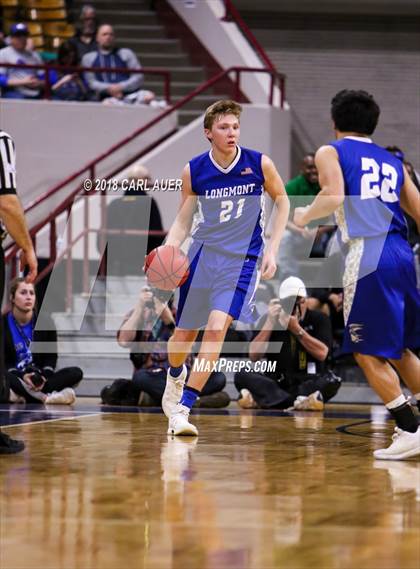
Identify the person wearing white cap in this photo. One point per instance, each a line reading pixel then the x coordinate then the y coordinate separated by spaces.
pixel 297 341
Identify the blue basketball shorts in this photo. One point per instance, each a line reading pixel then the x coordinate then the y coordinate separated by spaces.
pixel 382 305
pixel 217 281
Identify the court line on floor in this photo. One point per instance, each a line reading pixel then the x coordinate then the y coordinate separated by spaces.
pixel 344 429
pixel 48 410
pixel 42 421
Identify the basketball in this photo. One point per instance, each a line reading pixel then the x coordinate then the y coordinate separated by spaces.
pixel 166 267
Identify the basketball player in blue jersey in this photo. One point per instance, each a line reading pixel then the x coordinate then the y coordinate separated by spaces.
pixel 367 188
pixel 223 190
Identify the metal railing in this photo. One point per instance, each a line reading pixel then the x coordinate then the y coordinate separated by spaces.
pixel 47 91
pixel 232 13
pixel 90 170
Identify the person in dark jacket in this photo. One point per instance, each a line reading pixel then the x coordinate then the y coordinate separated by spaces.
pixel 65 85
pixel 33 377
pixel 84 40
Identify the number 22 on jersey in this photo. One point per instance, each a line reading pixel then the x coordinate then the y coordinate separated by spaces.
pixel 369 183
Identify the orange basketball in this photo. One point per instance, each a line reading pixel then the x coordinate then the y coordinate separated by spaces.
pixel 166 267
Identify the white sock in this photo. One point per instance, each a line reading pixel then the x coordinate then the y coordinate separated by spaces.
pixel 397 402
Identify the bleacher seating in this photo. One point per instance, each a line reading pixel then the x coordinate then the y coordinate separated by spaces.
pixel 47 20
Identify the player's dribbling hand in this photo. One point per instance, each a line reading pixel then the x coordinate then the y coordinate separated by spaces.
pixel 299 218
pixel 268 266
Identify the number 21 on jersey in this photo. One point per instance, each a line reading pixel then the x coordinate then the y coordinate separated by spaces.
pixel 369 183
pixel 227 207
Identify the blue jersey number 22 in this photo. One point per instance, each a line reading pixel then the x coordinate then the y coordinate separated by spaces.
pixel 369 183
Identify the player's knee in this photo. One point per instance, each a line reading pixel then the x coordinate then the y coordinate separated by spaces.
pixel 180 336
pixel 216 325
pixel 368 362
pixel 215 336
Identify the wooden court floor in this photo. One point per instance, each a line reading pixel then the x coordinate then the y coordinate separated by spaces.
pixel 110 490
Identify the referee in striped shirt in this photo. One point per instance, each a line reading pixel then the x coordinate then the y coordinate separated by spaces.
pixel 12 216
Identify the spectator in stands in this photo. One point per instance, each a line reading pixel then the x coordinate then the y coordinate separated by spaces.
pixel 135 210
pixel 19 83
pixel 300 377
pixel 330 302
pixel 152 321
pixel 84 40
pixel 264 294
pixel 33 377
pixel 65 85
pixel 296 241
pixel 119 87
pixel 413 234
pixel 412 173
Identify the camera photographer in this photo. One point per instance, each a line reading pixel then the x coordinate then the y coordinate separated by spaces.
pixel 32 376
pixel 300 377
pixel 153 321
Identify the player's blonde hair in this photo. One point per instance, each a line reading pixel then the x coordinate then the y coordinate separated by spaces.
pixel 222 107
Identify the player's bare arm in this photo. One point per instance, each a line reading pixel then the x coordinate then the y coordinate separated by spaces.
pixel 11 212
pixel 181 227
pixel 331 182
pixel 410 199
pixel 274 186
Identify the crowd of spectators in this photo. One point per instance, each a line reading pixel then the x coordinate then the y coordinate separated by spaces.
pixel 93 46
pixel 145 331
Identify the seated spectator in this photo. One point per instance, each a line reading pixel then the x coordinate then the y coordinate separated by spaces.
pixel 17 83
pixel 263 295
pixel 239 334
pixel 65 85
pixel 298 243
pixel 413 234
pixel 300 377
pixel 123 87
pixel 135 210
pixel 84 40
pixel 32 377
pixel 152 321
pixel 412 173
pixel 330 302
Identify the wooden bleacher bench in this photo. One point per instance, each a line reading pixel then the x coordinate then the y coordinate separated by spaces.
pixel 44 4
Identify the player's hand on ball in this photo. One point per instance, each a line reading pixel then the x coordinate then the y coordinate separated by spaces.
pixel 299 218
pixel 268 266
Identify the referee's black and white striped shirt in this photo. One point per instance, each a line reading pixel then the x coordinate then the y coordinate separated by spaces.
pixel 7 164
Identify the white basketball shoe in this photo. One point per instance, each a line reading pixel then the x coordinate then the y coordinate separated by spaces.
pixel 179 424
pixel 173 391
pixel 404 445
